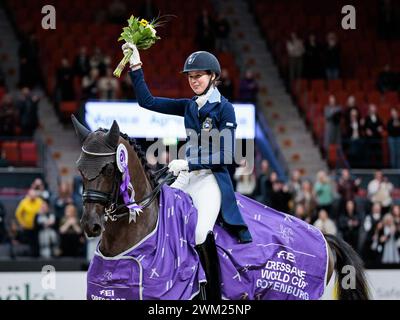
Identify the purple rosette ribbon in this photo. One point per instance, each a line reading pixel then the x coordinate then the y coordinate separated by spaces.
pixel 134 208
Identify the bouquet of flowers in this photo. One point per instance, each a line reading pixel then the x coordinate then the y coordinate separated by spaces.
pixel 141 33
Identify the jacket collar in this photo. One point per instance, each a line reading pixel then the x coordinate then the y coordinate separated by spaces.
pixel 215 96
pixel 213 101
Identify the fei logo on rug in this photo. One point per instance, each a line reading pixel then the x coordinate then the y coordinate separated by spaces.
pixel 285 255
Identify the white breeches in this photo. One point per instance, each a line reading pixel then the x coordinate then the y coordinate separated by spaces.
pixel 202 186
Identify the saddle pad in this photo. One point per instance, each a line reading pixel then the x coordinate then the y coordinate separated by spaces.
pixel 287 259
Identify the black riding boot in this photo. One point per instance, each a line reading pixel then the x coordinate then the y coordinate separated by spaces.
pixel 209 260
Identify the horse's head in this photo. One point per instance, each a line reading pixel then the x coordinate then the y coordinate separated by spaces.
pixel 101 177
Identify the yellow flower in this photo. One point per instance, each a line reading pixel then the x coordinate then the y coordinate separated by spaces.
pixel 143 22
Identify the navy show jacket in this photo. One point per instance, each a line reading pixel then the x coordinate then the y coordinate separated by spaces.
pixel 216 114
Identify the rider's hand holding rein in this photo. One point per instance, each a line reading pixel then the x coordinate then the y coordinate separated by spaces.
pixel 134 61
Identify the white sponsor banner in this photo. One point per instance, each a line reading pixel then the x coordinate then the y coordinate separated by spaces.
pixel 384 284
pixel 138 122
pixel 42 286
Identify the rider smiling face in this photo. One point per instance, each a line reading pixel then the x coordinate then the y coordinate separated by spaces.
pixel 199 81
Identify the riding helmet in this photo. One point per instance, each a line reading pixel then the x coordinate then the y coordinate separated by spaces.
pixel 202 61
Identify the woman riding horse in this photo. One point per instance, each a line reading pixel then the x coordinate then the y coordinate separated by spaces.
pixel 203 174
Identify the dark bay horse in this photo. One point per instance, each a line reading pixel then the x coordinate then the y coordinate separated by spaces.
pixel 105 214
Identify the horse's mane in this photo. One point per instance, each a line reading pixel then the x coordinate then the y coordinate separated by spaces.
pixel 148 168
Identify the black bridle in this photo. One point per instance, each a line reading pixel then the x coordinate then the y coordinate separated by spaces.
pixel 110 199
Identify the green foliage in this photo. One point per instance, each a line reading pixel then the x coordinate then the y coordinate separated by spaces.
pixel 141 33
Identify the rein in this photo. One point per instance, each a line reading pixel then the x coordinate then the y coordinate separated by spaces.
pixel 143 203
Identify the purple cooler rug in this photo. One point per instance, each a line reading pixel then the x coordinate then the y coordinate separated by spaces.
pixel 287 259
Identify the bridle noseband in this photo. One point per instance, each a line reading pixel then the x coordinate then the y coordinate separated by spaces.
pixel 110 200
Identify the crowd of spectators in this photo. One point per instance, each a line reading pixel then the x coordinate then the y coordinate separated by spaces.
pixel 361 130
pixel 87 77
pixel 44 225
pixel 19 113
pixel 212 34
pixel 335 205
pixel 312 60
pixel 19 106
pixel 29 67
pixel 362 137
pixel 388 80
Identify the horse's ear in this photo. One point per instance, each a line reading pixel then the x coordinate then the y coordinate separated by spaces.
pixel 113 135
pixel 81 131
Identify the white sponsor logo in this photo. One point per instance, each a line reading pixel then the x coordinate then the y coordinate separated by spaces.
pixel 94 297
pixel 286 256
pixel 107 293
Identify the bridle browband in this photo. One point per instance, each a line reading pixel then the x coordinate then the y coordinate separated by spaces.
pixel 98 154
pixel 110 200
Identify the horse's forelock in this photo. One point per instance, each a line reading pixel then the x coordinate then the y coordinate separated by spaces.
pixel 91 166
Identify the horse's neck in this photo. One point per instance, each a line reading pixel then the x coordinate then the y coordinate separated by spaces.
pixel 121 235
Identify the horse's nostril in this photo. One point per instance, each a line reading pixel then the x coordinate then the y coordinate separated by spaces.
pixel 96 228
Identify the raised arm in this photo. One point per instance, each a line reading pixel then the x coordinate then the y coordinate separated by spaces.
pixel 145 98
pixel 158 104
